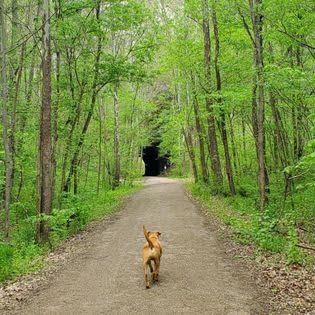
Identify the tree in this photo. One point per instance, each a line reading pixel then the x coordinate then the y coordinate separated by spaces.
pixel 259 113
pixel 213 146
pixel 228 165
pixel 45 148
pixel 7 139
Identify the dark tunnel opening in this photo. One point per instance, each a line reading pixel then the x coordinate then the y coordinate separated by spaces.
pixel 154 164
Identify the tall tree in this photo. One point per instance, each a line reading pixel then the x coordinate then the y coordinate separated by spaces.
pixel 213 146
pixel 228 165
pixel 95 91
pixel 45 145
pixel 8 159
pixel 259 113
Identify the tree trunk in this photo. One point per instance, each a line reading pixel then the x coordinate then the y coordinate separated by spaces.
pixel 65 185
pixel 14 81
pixel 200 134
pixel 228 166
pixel 45 178
pixel 299 139
pixel 100 140
pixel 191 153
pixel 74 161
pixel 116 138
pixel 8 154
pixel 56 104
pixel 244 143
pixel 257 20
pixel 213 146
pixel 236 161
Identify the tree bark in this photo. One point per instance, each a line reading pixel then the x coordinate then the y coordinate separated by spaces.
pixel 257 21
pixel 45 149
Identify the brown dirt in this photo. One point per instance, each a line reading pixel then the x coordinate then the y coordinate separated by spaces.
pixel 105 277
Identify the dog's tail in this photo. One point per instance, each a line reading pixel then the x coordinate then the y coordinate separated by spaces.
pixel 145 232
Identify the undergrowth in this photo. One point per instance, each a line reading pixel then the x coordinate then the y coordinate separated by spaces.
pixel 274 230
pixel 23 255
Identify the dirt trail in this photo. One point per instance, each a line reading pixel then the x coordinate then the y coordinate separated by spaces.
pixel 196 276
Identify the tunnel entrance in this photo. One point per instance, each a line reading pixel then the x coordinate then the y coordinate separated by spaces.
pixel 154 164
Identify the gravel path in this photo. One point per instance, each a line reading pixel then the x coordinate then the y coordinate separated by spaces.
pixel 196 276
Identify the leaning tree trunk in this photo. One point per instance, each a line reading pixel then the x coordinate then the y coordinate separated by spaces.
pixel 213 146
pixel 45 149
pixel 8 154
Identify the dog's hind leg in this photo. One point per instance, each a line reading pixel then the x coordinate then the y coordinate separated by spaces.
pixel 146 279
pixel 157 270
pixel 150 266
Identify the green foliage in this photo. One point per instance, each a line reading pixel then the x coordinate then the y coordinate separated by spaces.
pixel 19 258
pixel 24 255
pixel 268 231
pixel 294 254
pixel 6 258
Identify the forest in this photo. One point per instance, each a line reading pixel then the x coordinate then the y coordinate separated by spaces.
pixel 223 89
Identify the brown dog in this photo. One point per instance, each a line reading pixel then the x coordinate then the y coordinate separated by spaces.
pixel 152 250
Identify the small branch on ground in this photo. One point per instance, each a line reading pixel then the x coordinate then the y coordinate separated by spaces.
pixel 305 247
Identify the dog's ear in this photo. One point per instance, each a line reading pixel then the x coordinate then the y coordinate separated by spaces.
pixel 158 234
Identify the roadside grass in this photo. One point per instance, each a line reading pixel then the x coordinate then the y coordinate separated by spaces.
pixel 274 230
pixel 23 255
